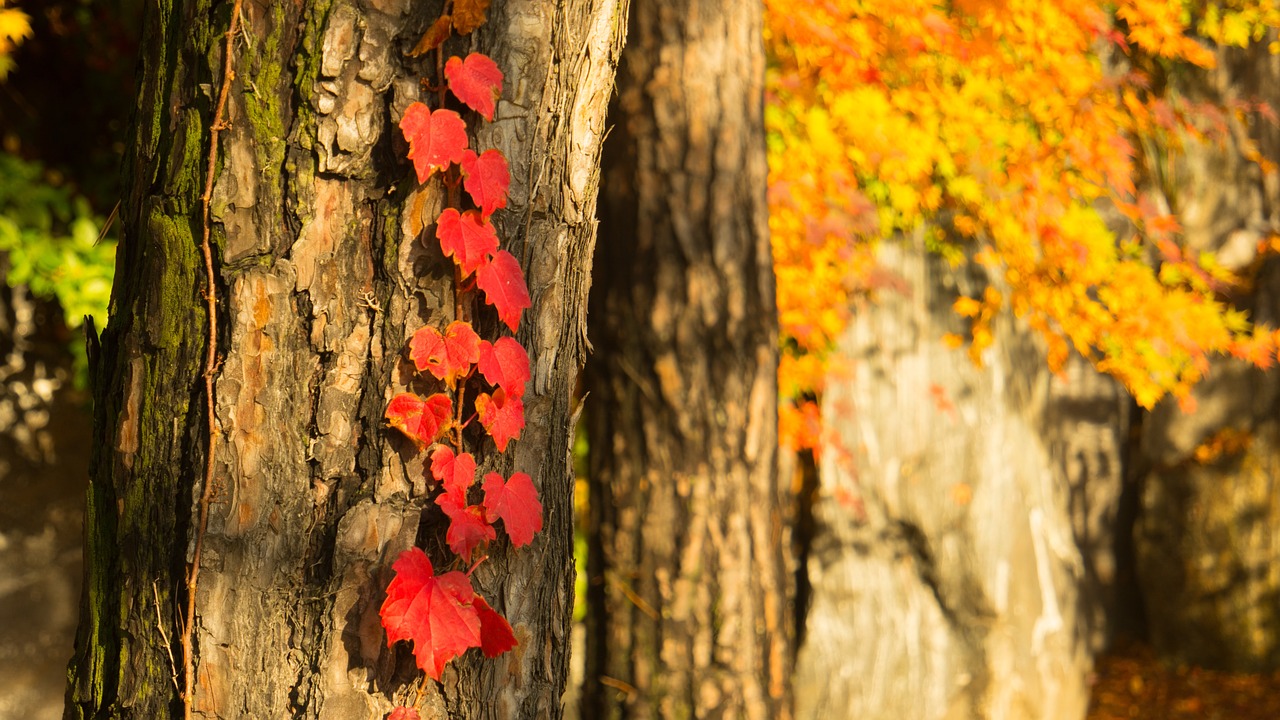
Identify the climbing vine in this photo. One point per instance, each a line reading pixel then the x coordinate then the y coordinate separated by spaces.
pixel 218 124
pixel 472 379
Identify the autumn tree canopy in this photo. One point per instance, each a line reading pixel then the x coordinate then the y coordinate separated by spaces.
pixel 1002 130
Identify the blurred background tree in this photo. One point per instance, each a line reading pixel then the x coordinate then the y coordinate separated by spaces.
pixel 66 70
pixel 1107 173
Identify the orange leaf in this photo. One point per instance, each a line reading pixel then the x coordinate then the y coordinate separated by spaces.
pixel 433 37
pixel 421 420
pixel 469 15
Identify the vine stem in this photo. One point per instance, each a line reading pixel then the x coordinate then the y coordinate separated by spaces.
pixel 451 181
pixel 210 366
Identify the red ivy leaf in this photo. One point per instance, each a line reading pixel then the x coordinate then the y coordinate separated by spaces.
pixel 477 81
pixel 502 281
pixel 436 139
pixel 502 415
pixel 408 713
pixel 455 472
pixel 447 356
pixel 505 364
pixel 495 632
pixel 487 179
pixel 422 420
pixel 468 238
pixel 468 526
pixel 434 612
pixel 516 503
pixel 452 501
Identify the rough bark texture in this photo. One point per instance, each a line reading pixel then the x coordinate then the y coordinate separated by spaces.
pixel 688 597
pixel 1208 542
pixel 947 570
pixel 43 472
pixel 320 284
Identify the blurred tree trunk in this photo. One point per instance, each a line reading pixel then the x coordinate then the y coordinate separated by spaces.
pixel 1209 538
pixel 962 561
pixel 688 600
pixel 320 281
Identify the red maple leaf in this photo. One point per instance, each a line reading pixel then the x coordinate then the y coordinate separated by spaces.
pixel 455 472
pixel 516 503
pixel 495 632
pixel 468 238
pixel 447 356
pixel 502 281
pixel 504 363
pixel 408 713
pixel 502 415
pixel 477 81
pixel 422 420
pixel 436 139
pixel 487 179
pixel 434 612
pixel 468 526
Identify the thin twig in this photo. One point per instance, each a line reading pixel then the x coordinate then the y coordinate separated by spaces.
pixel 168 646
pixel 210 365
pixel 631 595
pixel 106 226
pixel 422 690
pixel 620 685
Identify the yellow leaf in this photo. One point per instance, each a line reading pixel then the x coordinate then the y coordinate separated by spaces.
pixel 967 307
pixel 15 26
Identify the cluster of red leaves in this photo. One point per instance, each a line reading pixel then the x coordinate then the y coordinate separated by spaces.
pixel 452 356
pixel 437 140
pixel 441 614
pixel 514 502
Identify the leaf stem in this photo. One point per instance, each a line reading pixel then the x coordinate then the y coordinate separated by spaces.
pixel 440 86
pixel 457 420
pixel 476 564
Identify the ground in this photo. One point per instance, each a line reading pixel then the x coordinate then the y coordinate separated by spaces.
pixel 1133 685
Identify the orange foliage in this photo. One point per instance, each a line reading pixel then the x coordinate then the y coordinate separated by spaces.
pixel 1228 441
pixel 1001 124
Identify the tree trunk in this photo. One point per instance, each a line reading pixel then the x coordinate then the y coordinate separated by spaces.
pixel 963 539
pixel 319 284
pixel 688 602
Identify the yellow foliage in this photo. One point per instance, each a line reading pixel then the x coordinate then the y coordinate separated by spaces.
pixel 15 27
pixel 1000 122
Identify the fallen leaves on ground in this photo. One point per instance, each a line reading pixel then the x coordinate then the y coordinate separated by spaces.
pixel 1133 684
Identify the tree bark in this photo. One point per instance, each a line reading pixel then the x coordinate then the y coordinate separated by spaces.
pixel 320 282
pixel 688 599
pixel 964 523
